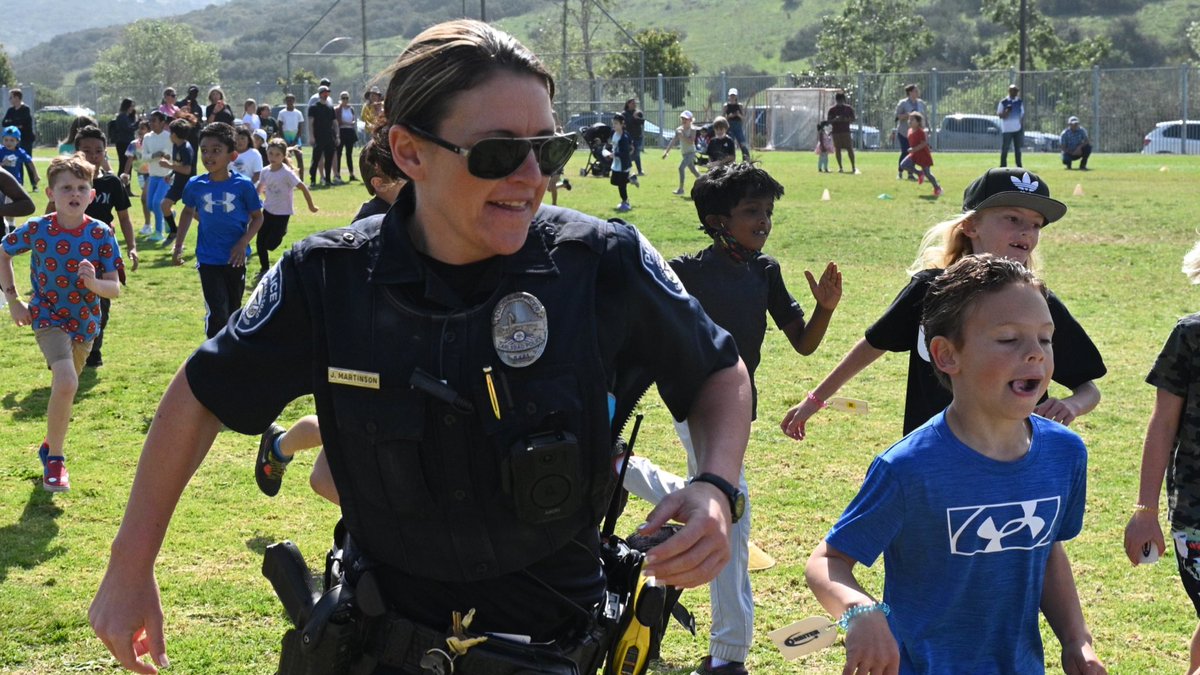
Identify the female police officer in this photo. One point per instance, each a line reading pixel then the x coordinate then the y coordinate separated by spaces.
pixel 446 344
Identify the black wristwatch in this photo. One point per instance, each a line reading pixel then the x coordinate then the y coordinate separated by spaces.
pixel 737 499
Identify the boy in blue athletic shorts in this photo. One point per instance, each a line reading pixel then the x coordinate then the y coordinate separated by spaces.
pixel 969 510
pixel 229 213
pixel 75 262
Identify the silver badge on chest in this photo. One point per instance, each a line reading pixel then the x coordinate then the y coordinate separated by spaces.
pixel 519 329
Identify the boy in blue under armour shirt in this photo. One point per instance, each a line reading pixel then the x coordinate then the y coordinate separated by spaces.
pixel 969 510
pixel 229 212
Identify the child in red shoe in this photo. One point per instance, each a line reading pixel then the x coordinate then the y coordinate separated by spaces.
pixel 77 262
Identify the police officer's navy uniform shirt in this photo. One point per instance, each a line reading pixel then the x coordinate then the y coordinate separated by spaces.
pixel 265 358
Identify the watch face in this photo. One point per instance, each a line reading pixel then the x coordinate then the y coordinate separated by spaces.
pixel 739 506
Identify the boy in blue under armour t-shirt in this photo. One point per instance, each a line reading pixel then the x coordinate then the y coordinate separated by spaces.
pixel 229 213
pixel 969 510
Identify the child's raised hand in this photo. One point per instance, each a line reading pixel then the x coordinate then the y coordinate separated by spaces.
pixel 870 646
pixel 828 291
pixel 87 271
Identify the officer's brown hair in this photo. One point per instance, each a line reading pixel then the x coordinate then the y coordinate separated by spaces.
pixel 438 64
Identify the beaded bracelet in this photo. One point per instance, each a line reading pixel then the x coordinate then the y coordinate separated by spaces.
pixel 1143 507
pixel 856 610
pixel 819 402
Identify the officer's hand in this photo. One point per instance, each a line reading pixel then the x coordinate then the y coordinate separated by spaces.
pixel 695 554
pixel 126 615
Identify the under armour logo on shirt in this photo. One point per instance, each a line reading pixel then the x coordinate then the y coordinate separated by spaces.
pixel 228 201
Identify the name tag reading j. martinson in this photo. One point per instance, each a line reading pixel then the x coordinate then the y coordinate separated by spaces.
pixel 354 378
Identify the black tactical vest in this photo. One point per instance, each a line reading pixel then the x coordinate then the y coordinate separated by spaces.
pixel 426 485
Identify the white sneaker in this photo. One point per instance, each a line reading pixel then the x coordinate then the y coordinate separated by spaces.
pixel 146 229
pixel 624 206
pixel 678 192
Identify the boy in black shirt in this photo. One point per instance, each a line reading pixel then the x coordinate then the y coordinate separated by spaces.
pixel 721 148
pixel 738 286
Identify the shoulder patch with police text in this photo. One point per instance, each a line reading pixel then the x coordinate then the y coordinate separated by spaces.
pixel 656 265
pixel 263 303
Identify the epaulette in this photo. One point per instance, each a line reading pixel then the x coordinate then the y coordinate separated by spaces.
pixel 558 225
pixel 356 235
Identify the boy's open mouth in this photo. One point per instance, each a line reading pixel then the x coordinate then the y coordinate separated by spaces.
pixel 1025 387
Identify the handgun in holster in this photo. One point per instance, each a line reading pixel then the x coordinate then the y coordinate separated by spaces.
pixel 327 635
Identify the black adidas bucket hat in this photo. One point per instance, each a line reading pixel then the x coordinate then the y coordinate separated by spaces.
pixel 1013 187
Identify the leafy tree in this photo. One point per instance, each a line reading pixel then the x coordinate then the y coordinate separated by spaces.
pixel 1193 40
pixel 876 35
pixel 1047 49
pixel 664 54
pixel 7 74
pixel 155 51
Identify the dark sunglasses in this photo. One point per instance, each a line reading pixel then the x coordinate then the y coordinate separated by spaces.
pixel 496 158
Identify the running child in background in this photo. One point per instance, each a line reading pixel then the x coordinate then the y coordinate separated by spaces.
pixel 721 148
pixel 250 117
pixel 77 261
pixel 277 184
pixel 1172 446
pixel 919 153
pixel 685 137
pixel 140 168
pixel 739 287
pixel 970 510
pixel 15 160
pixel 1004 211
pixel 182 160
pixel 824 146
pixel 229 215
pixel 156 145
pixel 622 150
pixel 247 161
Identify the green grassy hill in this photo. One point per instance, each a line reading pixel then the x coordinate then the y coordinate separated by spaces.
pixel 767 36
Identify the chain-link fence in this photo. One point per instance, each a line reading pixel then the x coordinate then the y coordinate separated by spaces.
pixel 1121 108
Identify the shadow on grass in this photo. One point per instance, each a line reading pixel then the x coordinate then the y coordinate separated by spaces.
pixel 26 543
pixel 33 405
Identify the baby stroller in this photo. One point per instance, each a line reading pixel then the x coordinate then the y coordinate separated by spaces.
pixel 598 137
pixel 704 134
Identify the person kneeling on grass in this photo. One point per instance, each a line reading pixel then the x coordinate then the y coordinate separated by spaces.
pixel 77 261
pixel 970 510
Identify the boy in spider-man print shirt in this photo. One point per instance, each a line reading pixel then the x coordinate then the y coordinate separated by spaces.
pixel 75 262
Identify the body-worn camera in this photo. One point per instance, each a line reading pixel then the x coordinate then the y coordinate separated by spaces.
pixel 543 476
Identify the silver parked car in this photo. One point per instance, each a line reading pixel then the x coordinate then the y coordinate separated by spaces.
pixel 982 132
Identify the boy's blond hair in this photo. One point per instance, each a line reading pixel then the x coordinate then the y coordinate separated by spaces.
pixel 75 165
pixel 946 243
pixel 1191 264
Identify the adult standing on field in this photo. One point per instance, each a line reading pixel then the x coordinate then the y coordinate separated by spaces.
pixel 1011 110
pixel 735 114
pixel 323 122
pixel 840 116
pixel 471 275
pixel 911 103
pixel 122 132
pixel 20 116
pixel 217 109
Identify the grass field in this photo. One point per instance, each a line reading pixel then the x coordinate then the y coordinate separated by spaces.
pixel 1114 259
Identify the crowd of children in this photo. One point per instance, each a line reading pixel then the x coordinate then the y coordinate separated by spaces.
pixel 981 492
